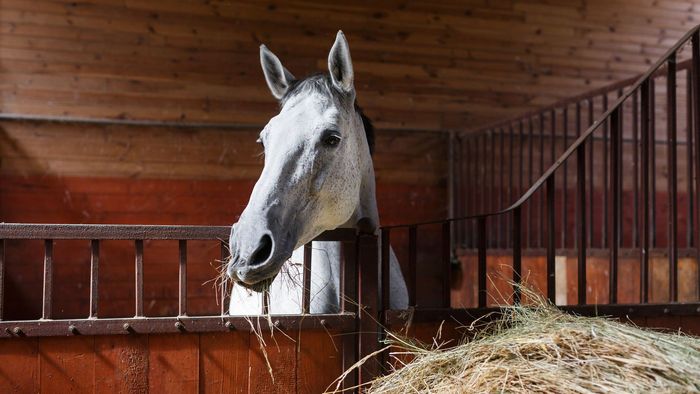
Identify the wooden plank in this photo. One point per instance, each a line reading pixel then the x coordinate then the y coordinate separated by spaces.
pixel 19 367
pixel 223 362
pixel 319 360
pixel 173 363
pixel 275 368
pixel 121 364
pixel 66 364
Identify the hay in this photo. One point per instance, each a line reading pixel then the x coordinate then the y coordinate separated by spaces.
pixel 541 349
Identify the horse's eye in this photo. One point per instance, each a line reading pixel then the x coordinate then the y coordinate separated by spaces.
pixel 331 140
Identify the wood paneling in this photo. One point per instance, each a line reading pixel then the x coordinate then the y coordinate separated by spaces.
pixel 419 65
pixel 499 267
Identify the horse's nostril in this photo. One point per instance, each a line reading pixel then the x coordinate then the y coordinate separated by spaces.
pixel 262 253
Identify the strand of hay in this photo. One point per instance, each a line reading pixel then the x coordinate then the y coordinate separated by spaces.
pixel 541 349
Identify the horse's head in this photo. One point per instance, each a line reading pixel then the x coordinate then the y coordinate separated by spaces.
pixel 317 174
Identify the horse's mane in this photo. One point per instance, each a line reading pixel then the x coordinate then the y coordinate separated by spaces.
pixel 321 83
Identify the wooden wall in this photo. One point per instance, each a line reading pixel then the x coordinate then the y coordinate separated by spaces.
pixel 420 65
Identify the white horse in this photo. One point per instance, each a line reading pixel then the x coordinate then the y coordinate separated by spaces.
pixel 317 176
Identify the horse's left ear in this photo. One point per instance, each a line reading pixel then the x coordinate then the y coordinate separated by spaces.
pixel 340 64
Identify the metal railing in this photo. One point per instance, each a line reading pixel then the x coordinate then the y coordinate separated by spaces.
pixel 641 91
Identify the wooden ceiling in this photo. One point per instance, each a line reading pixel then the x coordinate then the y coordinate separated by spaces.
pixel 420 65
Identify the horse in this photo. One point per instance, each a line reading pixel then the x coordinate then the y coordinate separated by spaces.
pixel 317 176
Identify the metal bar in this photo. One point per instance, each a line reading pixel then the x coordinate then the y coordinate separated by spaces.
pixel 540 205
pixel 385 259
pixel 446 263
pixel 604 219
pixel 94 276
pixel 646 164
pixel 511 197
pixel 652 142
pixel 696 130
pixel 344 322
pixel 690 219
pixel 517 256
pixel 531 160
pixel 425 315
pixel 565 189
pixel 182 290
pixel 581 221
pixel 501 187
pixel 48 280
pixel 138 269
pixel 620 167
pixel 223 255
pixel 551 276
pixel 306 274
pixel 492 183
pixel 672 178
pixel 2 277
pixel 576 202
pixel 481 263
pixel 635 170
pixel 591 176
pixel 370 331
pixel 615 151
pixel 482 173
pixel 412 261
pixel 131 232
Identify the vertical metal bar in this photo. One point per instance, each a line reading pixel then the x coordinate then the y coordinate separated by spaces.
pixel 370 329
pixel 646 164
pixel 386 254
pixel 48 279
pixel 604 219
pixel 531 160
pixel 616 140
pixel 672 177
pixel 696 130
pixel 511 197
pixel 223 255
pixel 94 270
pixel 306 274
pixel 620 167
pixel 635 169
pixel 446 263
pixel 517 256
pixel 481 262
pixel 492 184
pixel 577 202
pixel 540 205
pixel 551 285
pixel 690 219
pixel 501 188
pixel 565 188
pixel 482 172
pixel 348 303
pixel 182 291
pixel 412 260
pixel 652 170
pixel 591 184
pixel 2 276
pixel 138 285
pixel 581 221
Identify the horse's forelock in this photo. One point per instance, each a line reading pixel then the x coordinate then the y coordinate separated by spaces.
pixel 321 83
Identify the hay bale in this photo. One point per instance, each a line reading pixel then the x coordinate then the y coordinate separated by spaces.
pixel 541 349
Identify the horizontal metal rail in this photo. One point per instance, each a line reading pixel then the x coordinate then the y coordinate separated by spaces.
pixel 182 324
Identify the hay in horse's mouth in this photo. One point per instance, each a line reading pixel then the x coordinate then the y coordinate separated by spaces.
pixel 258 287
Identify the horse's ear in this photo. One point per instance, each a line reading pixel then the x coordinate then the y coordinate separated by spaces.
pixel 340 64
pixel 278 78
